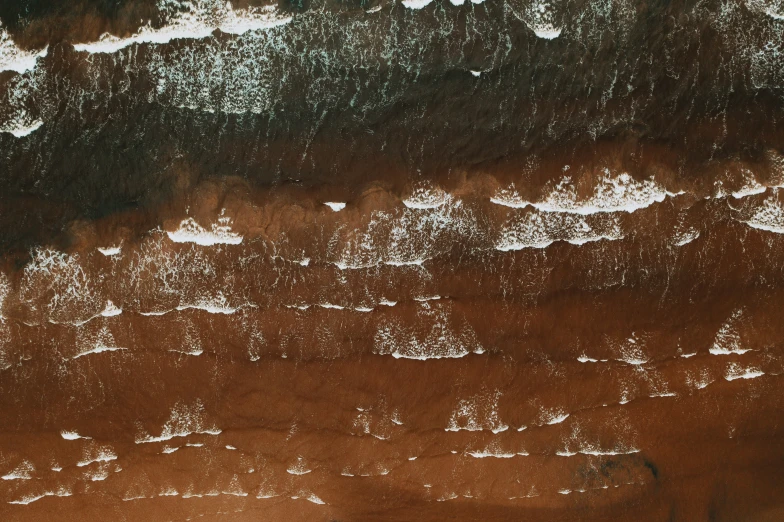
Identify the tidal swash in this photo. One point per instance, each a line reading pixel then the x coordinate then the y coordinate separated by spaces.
pixel 359 260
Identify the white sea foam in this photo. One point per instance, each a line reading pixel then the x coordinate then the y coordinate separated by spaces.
pixel 772 8
pixel 447 496
pixel 99 475
pixel 662 394
pixel 310 497
pixel 540 230
pixel 494 451
pixel 774 14
pixel 484 454
pixel 407 237
pixel 13 58
pixel 336 207
pixel 72 435
pixel 22 472
pixel 631 351
pixel 532 493
pixel 332 306
pixel 416 4
pixel 600 452
pixel 509 197
pixel 477 413
pixel 193 19
pixel 29 499
pixel 156 314
pixel 410 262
pixel 768 216
pixel 342 265
pixel 547 32
pixel 136 497
pixel 266 493
pixel 5 289
pixel 183 421
pixel 110 251
pixel 700 381
pixel 751 188
pixel 367 424
pixel 234 489
pixel 298 468
pixel 20 129
pixel 423 198
pixel 91 342
pixel 219 234
pixel 736 371
pixel 685 236
pixel 98 349
pixel 208 307
pixel 217 304
pixel 110 310
pixel 58 284
pixel 550 417
pixel 541 18
pixel 728 339
pixel 430 337
pixel 620 193
pixel 96 454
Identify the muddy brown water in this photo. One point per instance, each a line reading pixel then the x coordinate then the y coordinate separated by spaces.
pixel 496 261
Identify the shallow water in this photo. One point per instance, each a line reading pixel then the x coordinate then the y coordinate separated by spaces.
pixel 391 260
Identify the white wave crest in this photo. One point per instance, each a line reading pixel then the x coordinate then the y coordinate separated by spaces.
pixel 540 230
pixel 620 193
pixel 193 19
pixel 13 58
pixel 191 232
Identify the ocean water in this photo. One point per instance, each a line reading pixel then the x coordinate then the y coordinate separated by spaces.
pixel 391 260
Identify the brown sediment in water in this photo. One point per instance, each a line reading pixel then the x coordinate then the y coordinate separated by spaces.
pixel 278 377
pixel 448 266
